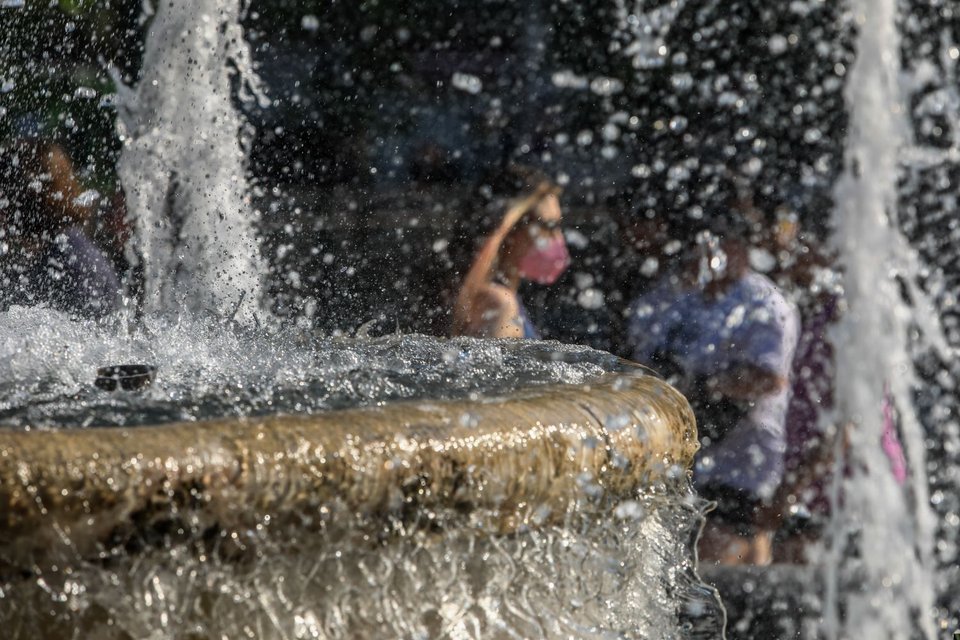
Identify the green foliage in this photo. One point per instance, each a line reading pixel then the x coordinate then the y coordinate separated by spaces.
pixel 75 7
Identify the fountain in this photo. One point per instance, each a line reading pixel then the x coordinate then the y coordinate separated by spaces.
pixel 183 164
pixel 530 514
pixel 892 564
pixel 264 479
pixel 273 484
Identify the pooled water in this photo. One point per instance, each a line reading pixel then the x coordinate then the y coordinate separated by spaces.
pixel 207 369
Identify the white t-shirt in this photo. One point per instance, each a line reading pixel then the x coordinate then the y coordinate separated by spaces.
pixel 750 323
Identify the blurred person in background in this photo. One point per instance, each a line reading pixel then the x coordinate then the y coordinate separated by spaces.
pixel 46 258
pixel 801 263
pixel 513 234
pixel 725 336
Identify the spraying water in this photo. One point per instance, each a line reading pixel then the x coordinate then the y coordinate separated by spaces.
pixel 886 588
pixel 183 164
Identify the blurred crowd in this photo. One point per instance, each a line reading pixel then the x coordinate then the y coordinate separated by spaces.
pixel 755 367
pixel 707 306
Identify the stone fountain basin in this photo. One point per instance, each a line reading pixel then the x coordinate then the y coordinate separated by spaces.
pixel 521 460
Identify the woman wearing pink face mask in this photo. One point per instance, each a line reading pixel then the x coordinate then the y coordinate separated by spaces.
pixel 526 244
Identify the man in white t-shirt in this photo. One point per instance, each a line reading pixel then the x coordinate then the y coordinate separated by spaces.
pixel 725 336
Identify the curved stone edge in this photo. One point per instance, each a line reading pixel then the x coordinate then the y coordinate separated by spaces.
pixel 524 458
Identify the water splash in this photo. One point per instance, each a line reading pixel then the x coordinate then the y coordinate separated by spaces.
pixel 183 164
pixel 884 587
pixel 48 363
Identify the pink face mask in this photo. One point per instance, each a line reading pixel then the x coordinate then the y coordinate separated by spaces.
pixel 545 262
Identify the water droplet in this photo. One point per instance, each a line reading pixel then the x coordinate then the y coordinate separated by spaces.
pixel 575 238
pixel 682 81
pixel 590 299
pixel 617 422
pixel 629 510
pixel 762 260
pixel 604 86
pixel 777 44
pixel 752 167
pixel 469 420
pixel 467 82
pixel 650 267
pixel 87 199
pixel 567 79
pixel 678 173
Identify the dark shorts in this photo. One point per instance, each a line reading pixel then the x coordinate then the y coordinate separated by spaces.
pixel 734 507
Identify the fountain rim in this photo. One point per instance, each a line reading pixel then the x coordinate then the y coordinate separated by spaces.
pixel 83 489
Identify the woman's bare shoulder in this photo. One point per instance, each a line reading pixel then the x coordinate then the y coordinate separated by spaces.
pixel 496 296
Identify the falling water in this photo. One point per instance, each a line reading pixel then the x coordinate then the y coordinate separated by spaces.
pixel 183 164
pixel 885 587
